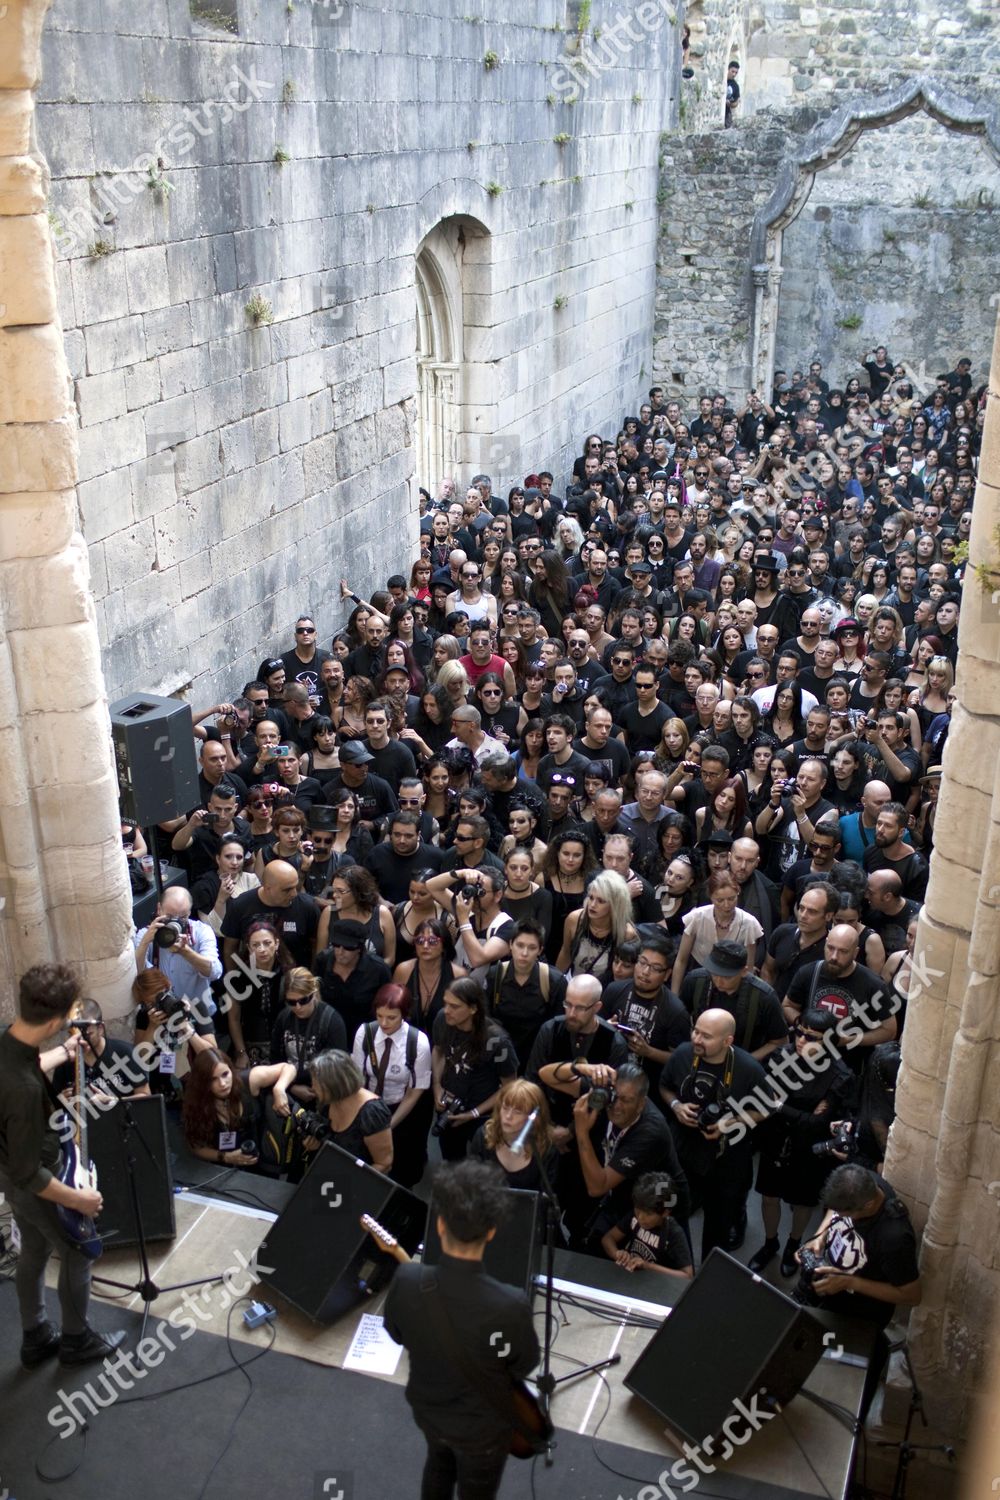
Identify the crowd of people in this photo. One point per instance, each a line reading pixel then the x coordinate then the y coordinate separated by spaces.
pixel 616 804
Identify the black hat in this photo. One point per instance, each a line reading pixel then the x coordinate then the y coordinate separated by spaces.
pixel 353 753
pixel 640 567
pixel 322 819
pixel 348 935
pixel 812 521
pixel 726 959
pixel 764 563
pixel 720 838
pixel 848 623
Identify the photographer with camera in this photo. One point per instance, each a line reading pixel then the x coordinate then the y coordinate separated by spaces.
pixel 701 1083
pixel 182 948
pixel 474 896
pixel 636 1139
pixel 472 1057
pixel 207 829
pixel 862 1260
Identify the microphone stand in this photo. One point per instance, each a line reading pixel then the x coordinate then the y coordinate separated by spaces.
pixel 146 1287
pixel 546 1381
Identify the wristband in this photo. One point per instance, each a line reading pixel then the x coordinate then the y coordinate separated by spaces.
pixel 674 1103
pixel 475 1114
pixel 465 927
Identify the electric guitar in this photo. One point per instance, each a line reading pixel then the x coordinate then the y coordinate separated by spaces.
pixel 75 1170
pixel 533 1428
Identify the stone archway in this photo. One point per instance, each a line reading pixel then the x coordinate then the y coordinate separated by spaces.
pixel 826 144
pixel 452 282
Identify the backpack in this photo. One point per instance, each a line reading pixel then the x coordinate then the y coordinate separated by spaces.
pixel 503 969
pixel 371 1029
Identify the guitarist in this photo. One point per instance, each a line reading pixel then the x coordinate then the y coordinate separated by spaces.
pixel 467 1334
pixel 29 1160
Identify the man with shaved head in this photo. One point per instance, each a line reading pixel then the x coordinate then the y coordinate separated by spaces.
pixel 758 895
pixel 857 830
pixel 278 901
pixel 704 1081
pixel 850 991
pixel 889 913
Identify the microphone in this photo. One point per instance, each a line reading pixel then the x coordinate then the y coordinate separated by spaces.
pixel 518 1145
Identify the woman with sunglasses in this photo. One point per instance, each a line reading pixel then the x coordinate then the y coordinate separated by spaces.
pixel 354 897
pixel 419 906
pixel 502 718
pixel 428 975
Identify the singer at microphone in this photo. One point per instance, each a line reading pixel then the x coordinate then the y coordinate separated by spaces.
pixel 518 1133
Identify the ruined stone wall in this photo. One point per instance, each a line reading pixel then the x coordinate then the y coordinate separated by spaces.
pixel 232 470
pixel 905 223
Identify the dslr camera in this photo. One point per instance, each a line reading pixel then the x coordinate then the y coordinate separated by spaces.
pixel 451 1106
pixel 171 1004
pixel 306 1122
pixel 709 1115
pixel 842 1140
pixel 469 891
pixel 170 934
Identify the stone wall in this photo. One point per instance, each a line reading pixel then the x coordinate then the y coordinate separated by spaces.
pixel 231 471
pixel 907 220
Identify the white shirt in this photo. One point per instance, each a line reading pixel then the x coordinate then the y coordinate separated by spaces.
pixel 397 1075
pixel 764 699
pixel 490 746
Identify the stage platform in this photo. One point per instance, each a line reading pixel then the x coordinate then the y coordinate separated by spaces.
pixel 307 1417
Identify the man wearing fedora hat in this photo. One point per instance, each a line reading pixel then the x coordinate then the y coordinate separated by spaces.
pixel 773 608
pixel 724 982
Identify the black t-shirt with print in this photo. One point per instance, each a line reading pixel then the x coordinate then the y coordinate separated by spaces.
pixel 295 923
pixel 664 1246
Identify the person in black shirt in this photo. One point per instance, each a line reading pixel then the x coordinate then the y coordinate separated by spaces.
pixel 110 1066
pixel 295 916
pixel 348 975
pixel 645 1012
pixel 649 1239
pixel 637 1139
pixel 724 982
pixel 304 1028
pixel 29 1163
pixel 471 1057
pixel 467 1337
pixel 868 1250
pixel 709 1072
pixel 850 992
pixel 524 993
pixel 395 862
pixel 374 796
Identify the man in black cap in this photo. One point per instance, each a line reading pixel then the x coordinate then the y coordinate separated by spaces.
pixel 349 976
pixel 724 982
pixel 322 831
pixel 375 797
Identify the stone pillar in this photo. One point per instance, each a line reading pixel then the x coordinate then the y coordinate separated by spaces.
pixel 944 1150
pixel 63 881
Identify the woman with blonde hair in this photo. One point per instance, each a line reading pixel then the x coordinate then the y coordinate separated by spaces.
pixel 453 677
pixel 602 924
pixel 494 1139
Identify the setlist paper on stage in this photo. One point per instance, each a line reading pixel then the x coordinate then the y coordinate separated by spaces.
pixel 372 1351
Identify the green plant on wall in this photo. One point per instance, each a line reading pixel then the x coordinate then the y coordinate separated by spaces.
pixel 259 311
pixel 490 61
pixel 987 573
pixel 850 322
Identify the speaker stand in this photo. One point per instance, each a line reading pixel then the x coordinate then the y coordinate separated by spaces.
pixel 546 1382
pixel 907 1450
pixel 146 1287
pixel 150 836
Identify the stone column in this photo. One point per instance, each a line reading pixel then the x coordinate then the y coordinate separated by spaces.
pixel 63 880
pixel 944 1150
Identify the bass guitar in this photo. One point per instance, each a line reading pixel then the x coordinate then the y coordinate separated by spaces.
pixel 532 1429
pixel 75 1168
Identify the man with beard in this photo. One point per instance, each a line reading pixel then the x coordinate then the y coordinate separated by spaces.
pixel 803 941
pixel 890 852
pixel 645 1011
pixel 850 992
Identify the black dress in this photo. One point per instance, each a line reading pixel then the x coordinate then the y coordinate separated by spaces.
pixel 373 1116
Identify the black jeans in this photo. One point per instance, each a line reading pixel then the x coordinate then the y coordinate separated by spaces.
pixel 476 1472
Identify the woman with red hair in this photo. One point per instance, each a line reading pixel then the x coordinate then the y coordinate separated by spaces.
pixel 395 1062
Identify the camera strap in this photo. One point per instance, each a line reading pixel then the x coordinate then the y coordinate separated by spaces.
pixel 727 1072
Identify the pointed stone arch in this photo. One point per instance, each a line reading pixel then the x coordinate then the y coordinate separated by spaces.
pixel 832 139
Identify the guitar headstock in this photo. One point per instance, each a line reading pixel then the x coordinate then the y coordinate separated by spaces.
pixel 383 1238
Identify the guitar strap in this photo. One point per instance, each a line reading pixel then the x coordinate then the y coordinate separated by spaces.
pixel 480 1377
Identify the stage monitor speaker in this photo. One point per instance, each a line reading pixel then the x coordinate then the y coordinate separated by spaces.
pixel 512 1255
pixel 154 757
pixel 317 1256
pixel 147 1144
pixel 731 1337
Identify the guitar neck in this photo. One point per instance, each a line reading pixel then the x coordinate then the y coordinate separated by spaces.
pixel 80 1085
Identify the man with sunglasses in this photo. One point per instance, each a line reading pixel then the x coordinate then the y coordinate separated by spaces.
pixel 303 662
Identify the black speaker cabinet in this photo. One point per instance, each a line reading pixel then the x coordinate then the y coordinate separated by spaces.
pixel 110 1147
pixel 731 1337
pixel 512 1255
pixel 317 1256
pixel 154 757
